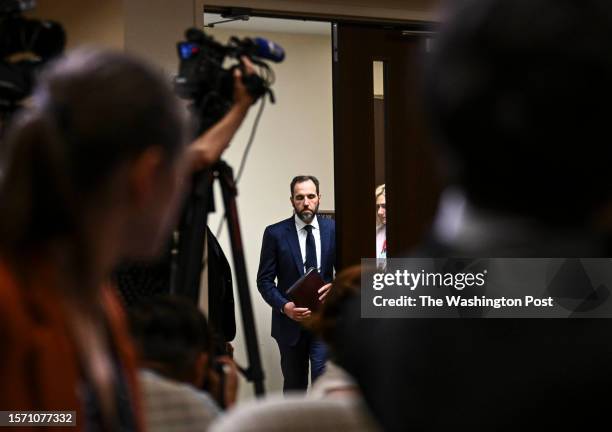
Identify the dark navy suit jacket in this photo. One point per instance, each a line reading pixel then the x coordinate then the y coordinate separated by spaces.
pixel 281 260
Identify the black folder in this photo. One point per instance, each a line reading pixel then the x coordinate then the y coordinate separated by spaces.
pixel 304 292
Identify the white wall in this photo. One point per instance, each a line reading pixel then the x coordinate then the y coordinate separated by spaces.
pixel 152 28
pixel 295 136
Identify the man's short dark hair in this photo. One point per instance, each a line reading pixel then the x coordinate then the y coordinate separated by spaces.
pixel 171 332
pixel 519 91
pixel 302 179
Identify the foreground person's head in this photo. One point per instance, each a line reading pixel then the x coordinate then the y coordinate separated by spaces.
pixel 173 338
pixel 518 91
pixel 94 163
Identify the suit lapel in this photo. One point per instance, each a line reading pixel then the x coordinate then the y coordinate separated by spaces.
pixel 294 245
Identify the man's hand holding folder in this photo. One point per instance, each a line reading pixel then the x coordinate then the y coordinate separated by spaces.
pixel 307 294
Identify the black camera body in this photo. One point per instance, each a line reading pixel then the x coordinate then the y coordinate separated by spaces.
pixel 201 66
pixel 203 78
pixel 38 41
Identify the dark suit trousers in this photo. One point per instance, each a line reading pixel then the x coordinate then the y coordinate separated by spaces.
pixel 295 359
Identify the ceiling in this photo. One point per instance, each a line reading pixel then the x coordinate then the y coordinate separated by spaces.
pixel 275 25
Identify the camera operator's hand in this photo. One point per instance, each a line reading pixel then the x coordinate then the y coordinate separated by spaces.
pixel 208 147
pixel 230 392
pixel 241 93
pixel 224 391
pixel 296 313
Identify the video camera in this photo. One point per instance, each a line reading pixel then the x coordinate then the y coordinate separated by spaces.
pixel 25 44
pixel 203 79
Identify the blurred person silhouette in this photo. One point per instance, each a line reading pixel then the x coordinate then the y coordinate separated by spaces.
pixel 92 175
pixel 517 92
pixel 175 347
pixel 94 169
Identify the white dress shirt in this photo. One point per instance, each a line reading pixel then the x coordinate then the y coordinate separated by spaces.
pixel 302 233
pixel 381 237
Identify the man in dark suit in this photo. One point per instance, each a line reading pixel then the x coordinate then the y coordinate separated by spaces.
pixel 289 249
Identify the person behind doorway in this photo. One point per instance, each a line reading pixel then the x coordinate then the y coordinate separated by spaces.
pixel 381 222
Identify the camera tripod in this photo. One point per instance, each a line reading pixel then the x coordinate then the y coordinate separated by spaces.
pixel 187 265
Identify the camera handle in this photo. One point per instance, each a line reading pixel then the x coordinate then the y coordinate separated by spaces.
pixel 188 266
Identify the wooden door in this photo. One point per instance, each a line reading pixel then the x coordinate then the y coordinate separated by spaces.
pixel 412 183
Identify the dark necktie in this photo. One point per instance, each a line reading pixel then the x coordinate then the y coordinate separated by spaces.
pixel 311 250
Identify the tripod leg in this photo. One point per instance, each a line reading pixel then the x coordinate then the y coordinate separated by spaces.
pixel 229 199
pixel 185 279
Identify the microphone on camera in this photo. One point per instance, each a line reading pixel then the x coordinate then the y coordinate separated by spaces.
pixel 268 50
